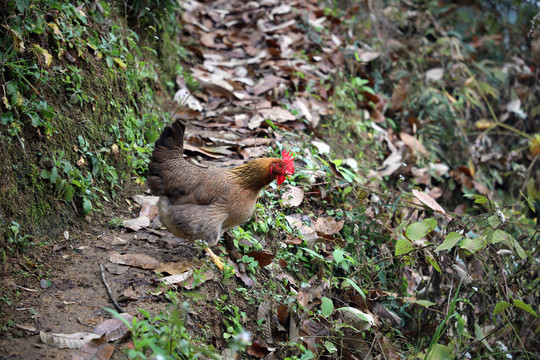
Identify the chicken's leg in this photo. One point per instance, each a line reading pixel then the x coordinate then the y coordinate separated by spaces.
pixel 216 259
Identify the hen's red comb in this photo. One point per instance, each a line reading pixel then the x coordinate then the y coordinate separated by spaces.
pixel 289 162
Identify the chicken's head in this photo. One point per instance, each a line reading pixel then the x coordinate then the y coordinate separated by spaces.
pixel 283 167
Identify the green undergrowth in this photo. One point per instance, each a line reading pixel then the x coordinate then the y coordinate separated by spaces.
pixel 406 276
pixel 80 104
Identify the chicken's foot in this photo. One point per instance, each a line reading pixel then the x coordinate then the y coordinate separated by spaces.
pixel 216 259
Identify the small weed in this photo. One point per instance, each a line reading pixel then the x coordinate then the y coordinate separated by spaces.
pixel 73 81
pixel 234 332
pixel 15 241
pixel 67 178
pixel 116 222
pixel 165 334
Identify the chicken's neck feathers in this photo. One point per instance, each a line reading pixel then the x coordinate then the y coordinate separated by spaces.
pixel 253 175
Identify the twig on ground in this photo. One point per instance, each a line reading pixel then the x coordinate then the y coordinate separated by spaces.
pixel 109 292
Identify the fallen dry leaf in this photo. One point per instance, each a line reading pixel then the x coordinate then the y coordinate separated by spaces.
pixel 71 341
pixel 323 148
pixel 113 329
pixel 328 225
pixel 214 153
pixel 391 164
pixel 129 294
pixel 137 224
pixel 184 96
pixel 428 201
pixel 141 199
pixel 294 241
pixel 360 320
pixel 176 279
pixel 193 282
pixel 136 260
pixel 263 257
pixel 276 114
pixel 434 74
pixel 413 143
pixel 95 349
pixel 175 268
pixel 117 240
pixel 249 282
pixel 401 91
pixel 148 210
pixel 28 328
pixel 116 269
pixel 303 298
pixel 306 231
pixel 384 313
pixel 367 56
pixel 436 192
pixel 293 197
pixel 269 82
pixel 257 349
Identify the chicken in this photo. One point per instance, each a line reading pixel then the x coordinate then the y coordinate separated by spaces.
pixel 201 204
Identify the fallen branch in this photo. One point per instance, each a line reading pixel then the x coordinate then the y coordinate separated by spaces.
pixel 109 292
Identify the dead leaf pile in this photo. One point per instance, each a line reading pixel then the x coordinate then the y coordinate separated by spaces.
pixel 250 61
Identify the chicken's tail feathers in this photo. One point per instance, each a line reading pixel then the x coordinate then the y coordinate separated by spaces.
pixel 170 145
pixel 172 137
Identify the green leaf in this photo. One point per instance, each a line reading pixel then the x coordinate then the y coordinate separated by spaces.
pixel 7 118
pixel 354 285
pixel 529 199
pixel 499 308
pixel 403 246
pixel 472 245
pixel 450 241
pixel 431 223
pixel 36 121
pixel 519 250
pixel 313 253
pixel 424 303
pixel 494 221
pixel 45 174
pixel 48 113
pixel 87 206
pixel 433 262
pixel 54 175
pixel 68 195
pixel 357 313
pixel 479 333
pixel 520 304
pixel 416 231
pixel 150 136
pixel 327 306
pixel 480 199
pixel 499 236
pixel 110 61
pixel 330 347
pixel 308 355
pixel 338 256
pixel 440 352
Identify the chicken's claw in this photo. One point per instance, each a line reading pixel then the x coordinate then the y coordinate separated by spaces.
pixel 216 259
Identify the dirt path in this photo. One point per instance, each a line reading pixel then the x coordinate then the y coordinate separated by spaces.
pixel 75 299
